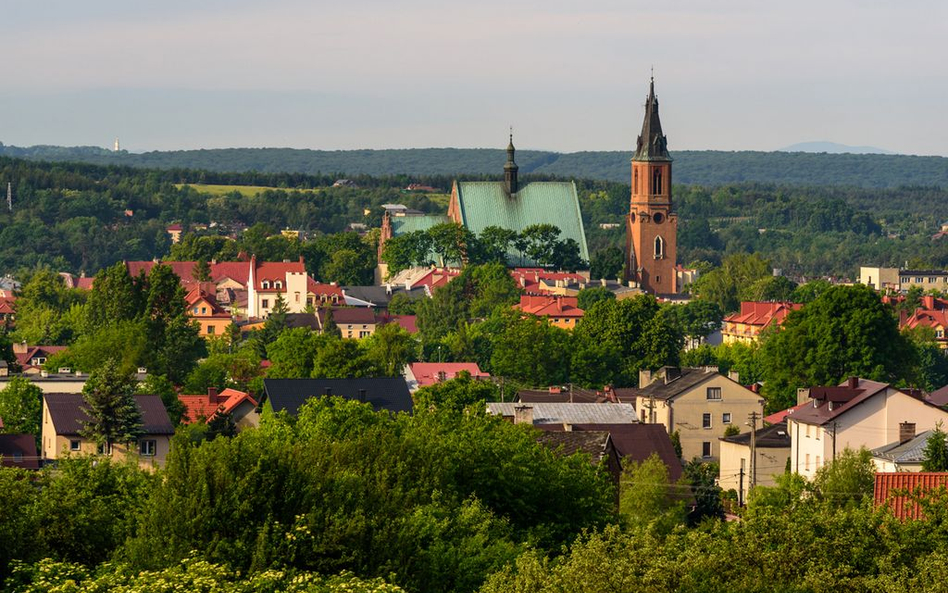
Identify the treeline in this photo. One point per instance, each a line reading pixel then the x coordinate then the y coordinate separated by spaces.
pixel 700 167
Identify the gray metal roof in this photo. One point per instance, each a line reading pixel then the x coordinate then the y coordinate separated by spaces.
pixel 912 451
pixel 558 413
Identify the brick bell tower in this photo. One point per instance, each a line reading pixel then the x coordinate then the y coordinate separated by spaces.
pixel 652 227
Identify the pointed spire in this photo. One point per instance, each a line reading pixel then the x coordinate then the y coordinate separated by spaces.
pixel 511 168
pixel 652 145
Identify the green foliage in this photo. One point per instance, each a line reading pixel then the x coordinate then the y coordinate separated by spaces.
pixel 390 348
pixel 722 286
pixel 936 451
pixel 291 354
pixel 648 499
pixel 456 394
pixel 847 480
pixel 114 416
pixel 401 304
pixel 46 311
pixel 702 477
pixel 530 350
pixel 339 358
pixel 589 296
pixel 846 331
pixel 162 387
pixel 21 407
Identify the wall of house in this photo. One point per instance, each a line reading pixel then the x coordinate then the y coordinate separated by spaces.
pixel 356 330
pixel 57 446
pixel 219 325
pixel 871 424
pixel 685 414
pixel 771 462
pixel 877 278
pixel 53 386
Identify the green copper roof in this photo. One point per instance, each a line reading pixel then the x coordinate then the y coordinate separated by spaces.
pixel 402 225
pixel 485 203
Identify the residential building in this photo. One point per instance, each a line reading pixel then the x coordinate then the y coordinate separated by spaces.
pixel 384 393
pixel 698 403
pixel 64 416
pixel 904 455
pixel 930 313
pixel 563 413
pixel 925 279
pixel 652 226
pixel 204 407
pixel 561 311
pixel 18 450
pixel 424 374
pixel 857 413
pixel 566 394
pixel 738 468
pixel 174 231
pixel 900 491
pixel 65 381
pixel 32 358
pixel 880 279
pixel 597 444
pixel 755 316
pixel 207 312
pixel 353 322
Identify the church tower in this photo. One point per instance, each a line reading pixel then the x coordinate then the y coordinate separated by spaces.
pixel 652 227
pixel 510 170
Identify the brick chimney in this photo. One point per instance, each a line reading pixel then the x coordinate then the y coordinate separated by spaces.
pixel 906 431
pixel 523 415
pixel 645 378
pixel 853 383
pixel 734 376
pixel 20 347
pixel 212 394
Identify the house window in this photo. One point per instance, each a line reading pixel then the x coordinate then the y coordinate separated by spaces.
pixel 203 310
pixel 659 248
pixel 643 415
pixel 210 330
pixel 278 285
pixel 195 310
pixel 75 445
pixel 297 297
pixel 807 431
pixel 265 284
pixel 918 280
pixel 807 459
pixel 265 303
pixel 364 334
pixel 816 432
pixel 939 333
pixel 706 449
pixel 104 449
pixel 17 457
pixel 714 393
pixel 817 466
pixel 636 173
pixel 706 420
pixel 148 447
pixel 38 361
pixel 726 418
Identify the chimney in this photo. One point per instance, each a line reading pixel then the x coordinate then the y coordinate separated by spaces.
pixel 212 394
pixel 906 431
pixel 755 387
pixel 329 391
pixel 803 395
pixel 20 347
pixel 853 383
pixel 567 427
pixel 645 378
pixel 734 376
pixel 523 415
pixel 928 302
pixel 362 395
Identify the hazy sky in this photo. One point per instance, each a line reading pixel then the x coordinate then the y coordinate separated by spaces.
pixel 568 76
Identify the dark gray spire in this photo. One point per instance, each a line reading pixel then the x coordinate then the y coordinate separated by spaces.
pixel 652 145
pixel 511 168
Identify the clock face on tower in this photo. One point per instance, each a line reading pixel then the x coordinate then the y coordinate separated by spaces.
pixel 658 217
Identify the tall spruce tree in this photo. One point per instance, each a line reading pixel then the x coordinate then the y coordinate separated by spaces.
pixel 935 457
pixel 114 417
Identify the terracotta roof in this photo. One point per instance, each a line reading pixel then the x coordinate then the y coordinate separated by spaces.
pixel 781 416
pixel 274 271
pixel 895 489
pixel 65 410
pixel 321 288
pixel 34 351
pixel 208 404
pixel 18 450
pixel 238 271
pixel 406 322
pixel 552 306
pixel 926 318
pixel 196 295
pixel 761 314
pixel 429 373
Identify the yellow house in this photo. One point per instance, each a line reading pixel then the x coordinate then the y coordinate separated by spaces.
pixel 560 311
pixel 738 466
pixel 353 322
pixel 63 419
pixel 746 325
pixel 698 403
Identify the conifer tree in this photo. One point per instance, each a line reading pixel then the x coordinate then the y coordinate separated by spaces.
pixel 202 271
pixel 114 416
pixel 936 452
pixel 329 325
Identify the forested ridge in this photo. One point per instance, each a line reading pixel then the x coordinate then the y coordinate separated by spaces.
pixel 83 217
pixel 702 167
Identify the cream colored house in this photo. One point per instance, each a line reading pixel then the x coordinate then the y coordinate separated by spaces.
pixel 879 278
pixel 859 413
pixel 772 446
pixel 698 403
pixel 63 419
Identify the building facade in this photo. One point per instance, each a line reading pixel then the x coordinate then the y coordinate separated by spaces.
pixel 652 227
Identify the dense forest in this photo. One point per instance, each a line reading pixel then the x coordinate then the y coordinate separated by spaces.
pixel 82 217
pixel 700 167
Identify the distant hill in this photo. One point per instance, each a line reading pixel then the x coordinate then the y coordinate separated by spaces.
pixel 834 148
pixel 704 167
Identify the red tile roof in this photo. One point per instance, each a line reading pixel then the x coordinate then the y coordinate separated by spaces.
pixel 207 405
pixel 407 322
pixel 553 306
pixel 275 271
pixel 530 279
pixel 238 271
pixel 321 288
pixel 761 314
pixel 778 417
pixel 899 490
pixel 33 351
pixel 926 318
pixel 429 373
pixel 197 295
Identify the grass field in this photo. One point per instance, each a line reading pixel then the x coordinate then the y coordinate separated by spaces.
pixel 219 190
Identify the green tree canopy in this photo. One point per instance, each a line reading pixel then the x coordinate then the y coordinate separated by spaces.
pixel 114 416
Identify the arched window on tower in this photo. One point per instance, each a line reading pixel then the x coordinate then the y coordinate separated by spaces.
pixel 635 186
pixel 657 180
pixel 659 248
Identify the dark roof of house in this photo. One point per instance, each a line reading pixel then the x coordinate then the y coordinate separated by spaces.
pixel 843 398
pixel 575 395
pixel 594 443
pixel 349 315
pixel 18 450
pixel 308 320
pixel 380 296
pixel 939 397
pixel 384 393
pixel 672 386
pixel 66 412
pixel 634 442
pixel 770 437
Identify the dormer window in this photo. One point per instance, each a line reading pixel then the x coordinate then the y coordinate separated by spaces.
pixel 265 284
pixel 278 285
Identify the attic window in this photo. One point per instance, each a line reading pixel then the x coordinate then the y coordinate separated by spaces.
pixel 278 285
pixel 265 284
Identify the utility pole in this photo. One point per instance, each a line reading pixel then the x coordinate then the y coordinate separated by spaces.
pixel 753 478
pixel 740 486
pixel 651 409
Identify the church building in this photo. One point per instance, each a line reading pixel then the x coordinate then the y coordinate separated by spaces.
pixel 652 227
